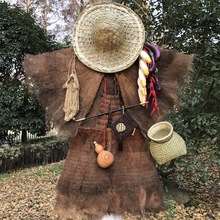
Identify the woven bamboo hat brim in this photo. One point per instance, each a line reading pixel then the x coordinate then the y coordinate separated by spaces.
pixel 108 37
pixel 169 150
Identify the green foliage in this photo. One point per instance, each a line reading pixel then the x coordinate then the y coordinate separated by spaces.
pixel 19 35
pixel 193 27
pixel 185 25
pixel 171 208
pixel 19 110
pixel 35 153
pixel 56 169
pixel 9 154
pixel 198 116
pixel 39 173
pixel 4 175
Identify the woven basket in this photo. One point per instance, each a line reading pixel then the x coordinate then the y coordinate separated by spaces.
pixel 165 144
pixel 160 132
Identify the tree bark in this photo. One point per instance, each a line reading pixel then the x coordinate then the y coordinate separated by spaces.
pixel 23 136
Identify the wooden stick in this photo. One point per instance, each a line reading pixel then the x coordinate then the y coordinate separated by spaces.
pixel 110 112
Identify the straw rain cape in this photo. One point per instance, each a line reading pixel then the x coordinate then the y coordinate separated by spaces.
pixel 131 183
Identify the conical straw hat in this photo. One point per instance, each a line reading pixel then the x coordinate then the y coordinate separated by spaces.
pixel 108 37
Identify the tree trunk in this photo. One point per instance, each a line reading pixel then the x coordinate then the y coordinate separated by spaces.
pixel 23 136
pixel 45 16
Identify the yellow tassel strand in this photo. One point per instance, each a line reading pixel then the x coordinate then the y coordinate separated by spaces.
pixel 142 88
pixel 142 98
pixel 145 56
pixel 142 78
pixel 144 67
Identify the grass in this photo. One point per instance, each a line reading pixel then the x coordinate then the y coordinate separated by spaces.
pixel 171 208
pixel 54 168
pixel 39 173
pixel 4 175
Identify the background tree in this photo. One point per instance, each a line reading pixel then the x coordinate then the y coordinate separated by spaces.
pixel 56 17
pixel 19 110
pixel 193 27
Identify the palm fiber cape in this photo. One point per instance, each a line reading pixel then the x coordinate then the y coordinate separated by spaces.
pixel 131 183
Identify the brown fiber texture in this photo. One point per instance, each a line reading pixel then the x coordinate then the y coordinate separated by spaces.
pixel 48 72
pixel 131 183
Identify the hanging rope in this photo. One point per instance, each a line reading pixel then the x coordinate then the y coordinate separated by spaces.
pixel 71 104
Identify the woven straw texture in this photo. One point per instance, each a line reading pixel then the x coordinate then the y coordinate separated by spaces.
pixel 130 184
pixel 48 72
pixel 108 37
pixel 160 132
pixel 169 150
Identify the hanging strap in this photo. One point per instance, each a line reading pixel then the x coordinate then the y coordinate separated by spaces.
pixel 105 109
pixel 71 104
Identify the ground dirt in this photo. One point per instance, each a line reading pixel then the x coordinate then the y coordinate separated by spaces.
pixel 30 194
